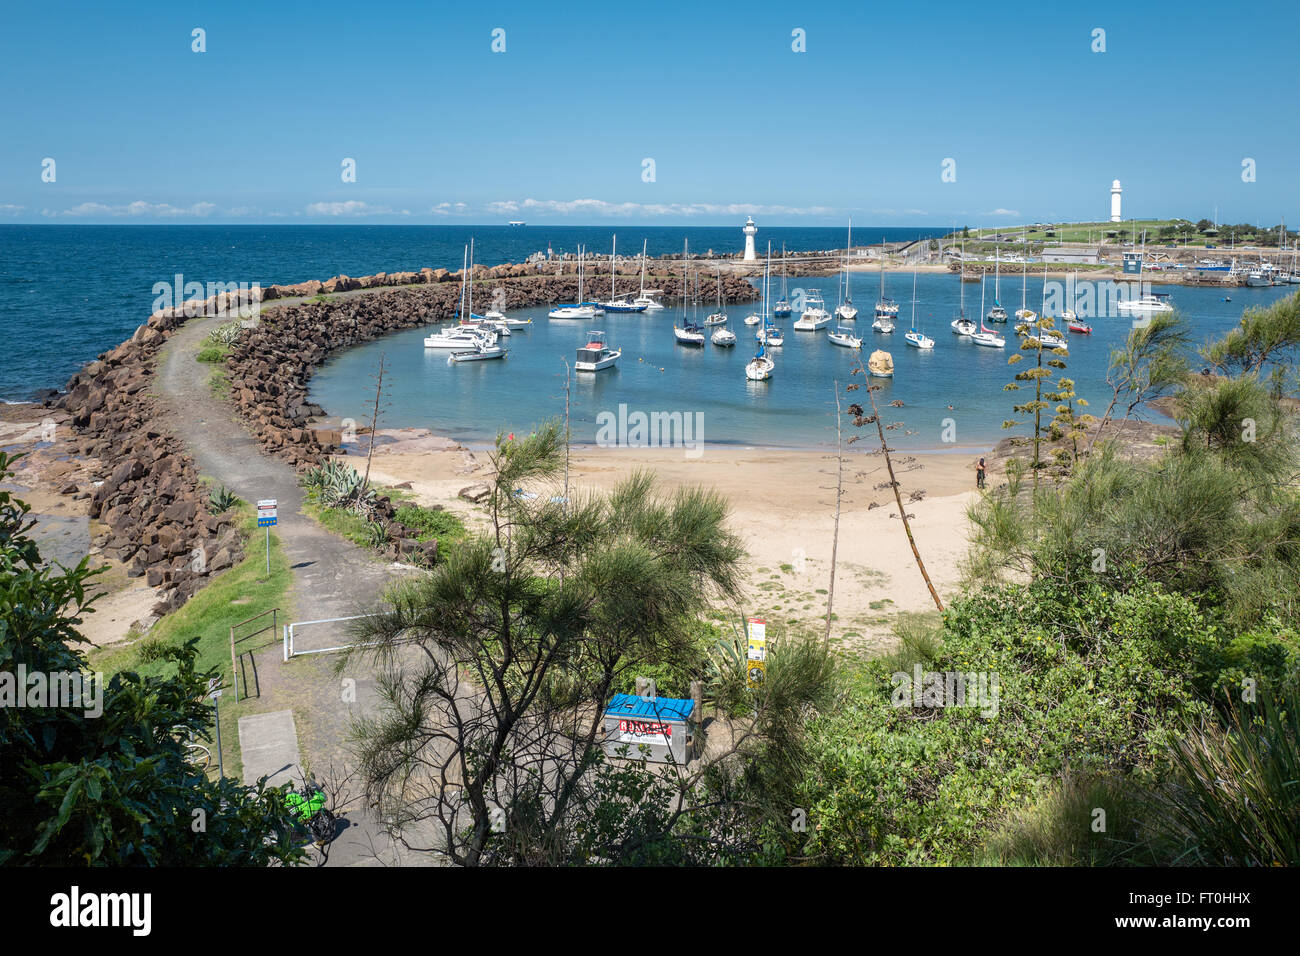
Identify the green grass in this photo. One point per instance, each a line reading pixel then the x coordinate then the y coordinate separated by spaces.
pixel 209 616
pixel 432 523
pixel 340 521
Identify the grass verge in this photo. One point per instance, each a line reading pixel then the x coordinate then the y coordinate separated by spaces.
pixel 244 590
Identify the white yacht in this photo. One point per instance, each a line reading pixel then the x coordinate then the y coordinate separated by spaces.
pixel 460 337
pixel 723 336
pixel 1153 303
pixel 814 315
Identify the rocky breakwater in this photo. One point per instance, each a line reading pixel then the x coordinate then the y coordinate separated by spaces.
pixel 271 364
pixel 149 499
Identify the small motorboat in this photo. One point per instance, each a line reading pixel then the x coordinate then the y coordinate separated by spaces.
pixel 919 340
pixel 754 318
pixel 1080 327
pixel 997 314
pixel 688 334
pixel 963 326
pixel 723 336
pixel 596 355
pixel 881 364
pixel 717 318
pixel 843 337
pixel 480 354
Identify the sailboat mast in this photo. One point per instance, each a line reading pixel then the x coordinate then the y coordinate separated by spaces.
pixel 464 281
pixel 469 283
pixel 613 251
pixel 643 248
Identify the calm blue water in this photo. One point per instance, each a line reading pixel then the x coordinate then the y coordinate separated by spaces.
pixel 68 293
pixel 796 408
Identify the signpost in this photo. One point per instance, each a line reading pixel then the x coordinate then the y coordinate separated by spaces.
pixel 266 511
pixel 214 692
pixel 756 658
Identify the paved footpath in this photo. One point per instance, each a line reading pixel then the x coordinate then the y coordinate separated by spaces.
pixel 331 578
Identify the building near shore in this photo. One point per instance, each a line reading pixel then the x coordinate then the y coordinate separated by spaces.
pixel 1072 255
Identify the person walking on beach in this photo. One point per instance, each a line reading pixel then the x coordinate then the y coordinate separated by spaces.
pixel 979 474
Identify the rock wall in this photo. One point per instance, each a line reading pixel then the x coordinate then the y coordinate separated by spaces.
pixel 151 501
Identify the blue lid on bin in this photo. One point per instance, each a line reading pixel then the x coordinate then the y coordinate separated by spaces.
pixel 663 708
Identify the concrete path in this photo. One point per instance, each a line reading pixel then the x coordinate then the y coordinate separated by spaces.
pixel 332 578
pixel 269 745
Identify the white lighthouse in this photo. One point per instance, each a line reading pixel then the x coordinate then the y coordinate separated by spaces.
pixel 750 232
pixel 1114 201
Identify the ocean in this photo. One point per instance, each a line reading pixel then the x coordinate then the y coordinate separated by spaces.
pixel 68 293
pixel 953 396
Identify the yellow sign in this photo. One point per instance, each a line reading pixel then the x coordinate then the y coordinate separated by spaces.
pixel 756 663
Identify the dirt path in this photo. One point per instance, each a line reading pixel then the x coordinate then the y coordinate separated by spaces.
pixel 331 578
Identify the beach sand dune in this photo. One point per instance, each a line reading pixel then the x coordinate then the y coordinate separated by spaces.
pixel 782 505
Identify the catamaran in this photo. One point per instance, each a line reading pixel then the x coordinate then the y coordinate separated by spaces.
pixel 782 308
pixel 761 366
pixel 962 325
pixel 1024 313
pixel 719 317
pixel 814 315
pixel 986 337
pixel 616 302
pixel 997 313
pixel 581 310
pixel 886 308
pixel 688 333
pixel 596 354
pixel 846 310
pixel 647 297
pixel 918 340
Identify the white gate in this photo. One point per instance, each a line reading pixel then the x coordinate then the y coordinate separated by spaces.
pixel 302 637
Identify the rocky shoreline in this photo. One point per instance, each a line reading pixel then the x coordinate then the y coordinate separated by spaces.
pixel 134 475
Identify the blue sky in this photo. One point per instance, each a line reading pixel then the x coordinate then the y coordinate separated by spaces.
pixel 556 128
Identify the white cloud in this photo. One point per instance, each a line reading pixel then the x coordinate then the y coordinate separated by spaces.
pixel 9 209
pixel 351 207
pixel 449 209
pixel 135 210
pixel 1001 212
pixel 600 207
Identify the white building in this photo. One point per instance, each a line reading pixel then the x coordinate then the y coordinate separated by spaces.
pixel 750 230
pixel 1114 201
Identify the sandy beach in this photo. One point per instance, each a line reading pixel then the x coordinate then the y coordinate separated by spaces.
pixel 783 509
